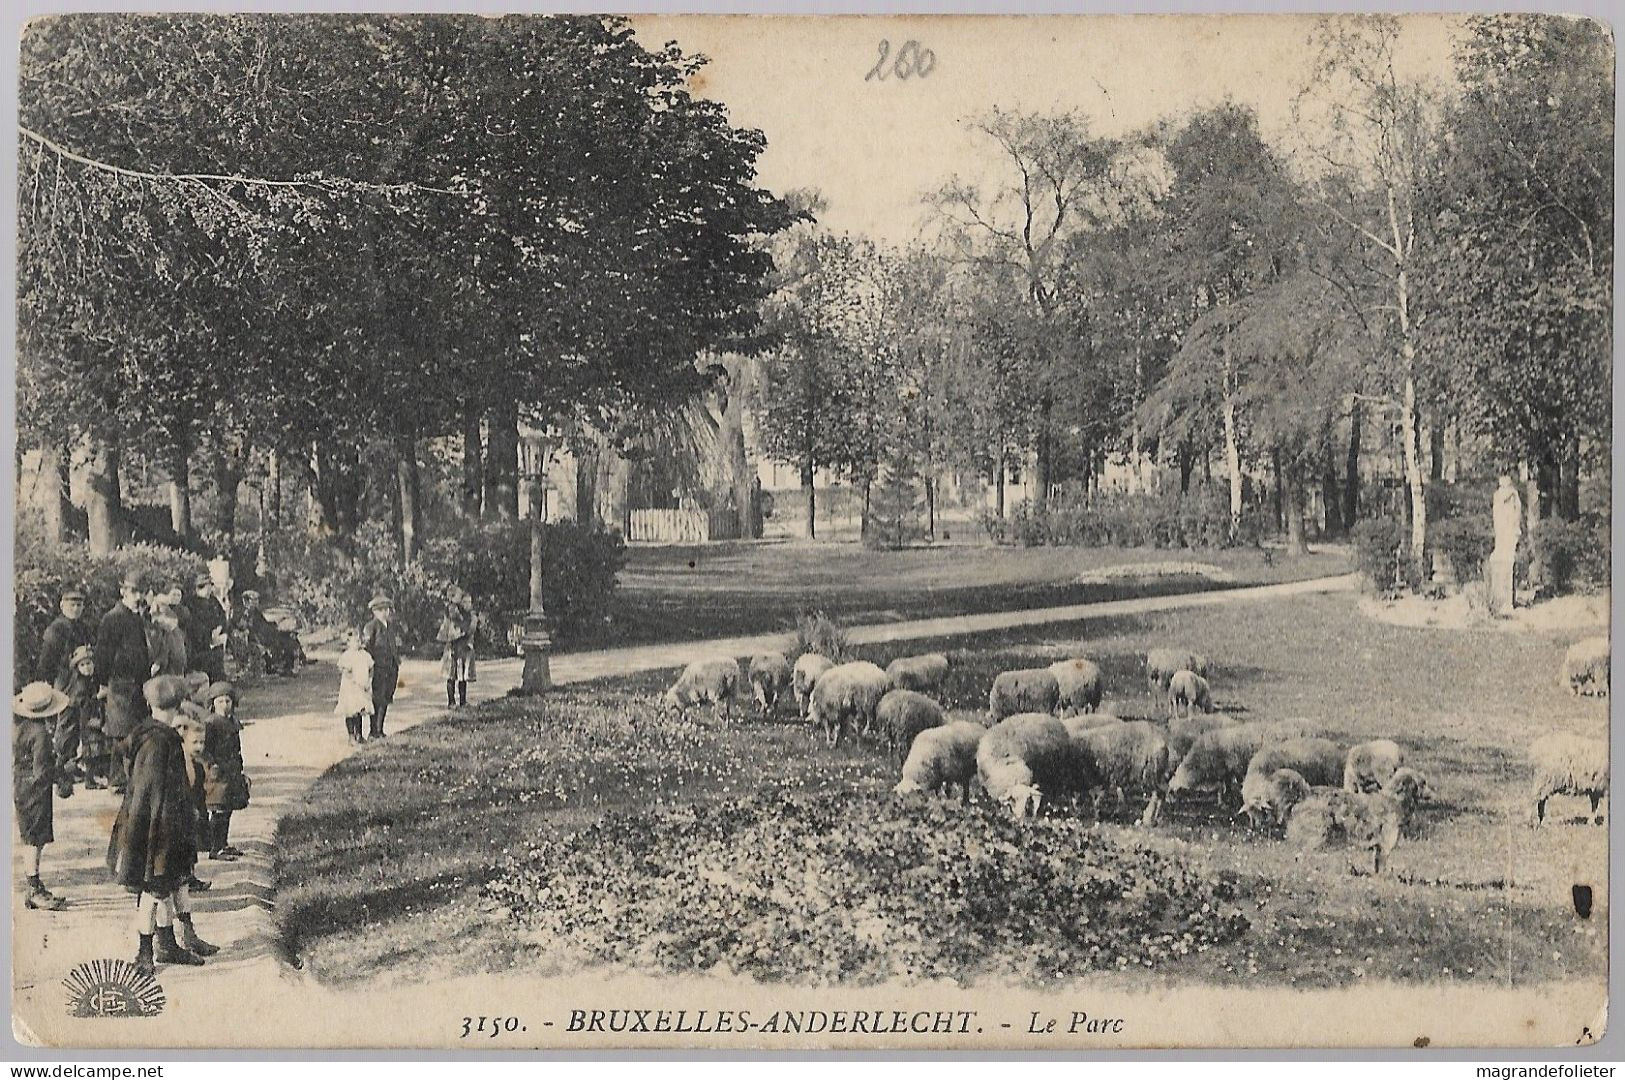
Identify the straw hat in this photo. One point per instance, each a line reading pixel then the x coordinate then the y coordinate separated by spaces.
pixel 220 689
pixel 39 699
pixel 380 602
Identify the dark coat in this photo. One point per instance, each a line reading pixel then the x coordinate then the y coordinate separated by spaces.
pixel 87 711
pixel 154 837
pixel 205 616
pixel 167 648
pixel 121 647
pixel 456 639
pixel 384 643
pixel 33 771
pixel 62 637
pixel 225 787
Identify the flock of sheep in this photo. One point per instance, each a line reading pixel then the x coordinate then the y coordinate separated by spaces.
pixel 1047 739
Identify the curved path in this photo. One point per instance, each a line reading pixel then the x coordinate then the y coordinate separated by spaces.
pixel 292 739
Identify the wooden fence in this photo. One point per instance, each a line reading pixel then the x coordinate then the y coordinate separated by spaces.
pixel 682 526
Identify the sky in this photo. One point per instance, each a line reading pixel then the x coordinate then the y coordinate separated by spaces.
pixel 874 147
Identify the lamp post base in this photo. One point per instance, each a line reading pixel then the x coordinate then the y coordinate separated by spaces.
pixel 536 644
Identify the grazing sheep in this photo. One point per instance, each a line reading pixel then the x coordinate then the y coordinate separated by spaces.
pixel 941 757
pixel 847 695
pixel 1585 667
pixel 714 680
pixel 1077 725
pixel 1079 683
pixel 925 674
pixel 1128 757
pixel 1274 795
pixel 1373 822
pixel 1218 759
pixel 1370 764
pixel 769 676
pixel 809 666
pixel 1023 690
pixel 1161 664
pixel 1190 690
pixel 1318 761
pixel 1026 757
pixel 1569 765
pixel 903 714
pixel 1185 730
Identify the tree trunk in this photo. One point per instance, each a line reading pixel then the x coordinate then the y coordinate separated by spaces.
pixel 1547 478
pixel 473 465
pixel 1531 498
pixel 614 481
pixel 1041 461
pixel 1351 471
pixel 273 485
pixel 180 492
pixel 56 471
pixel 226 479
pixel 1232 459
pixel 863 521
pixel 1328 492
pixel 104 508
pixel 1568 486
pixel 502 462
pixel 930 507
pixel 1278 497
pixel 1413 471
pixel 411 509
pixel 1187 463
pixel 810 496
pixel 1292 507
pixel 998 483
pixel 1436 450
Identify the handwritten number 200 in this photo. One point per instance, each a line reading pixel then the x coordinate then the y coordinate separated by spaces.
pixel 912 59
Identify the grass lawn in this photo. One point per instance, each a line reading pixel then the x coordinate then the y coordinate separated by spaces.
pixel 687 592
pixel 380 873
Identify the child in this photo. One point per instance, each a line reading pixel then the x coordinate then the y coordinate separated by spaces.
pixel 456 638
pixel 355 685
pixel 33 771
pixel 95 749
pixel 225 786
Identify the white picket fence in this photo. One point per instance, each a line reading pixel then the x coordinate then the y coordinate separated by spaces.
pixel 681 526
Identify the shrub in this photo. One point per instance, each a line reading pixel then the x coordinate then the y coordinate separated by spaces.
pixel 857 888
pixel 1164 520
pixel 818 633
pixel 1380 549
pixel 1573 556
pixel 1466 542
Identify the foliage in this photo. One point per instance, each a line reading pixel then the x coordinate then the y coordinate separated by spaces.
pixel 853 888
pixel 818 633
pixel 1465 541
pixel 1164 520
pixel 1381 554
pixel 1573 556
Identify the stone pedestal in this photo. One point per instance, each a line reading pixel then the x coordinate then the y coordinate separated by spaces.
pixel 1498 582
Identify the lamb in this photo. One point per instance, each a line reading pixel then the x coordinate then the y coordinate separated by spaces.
pixel 1190 690
pixel 1585 667
pixel 715 680
pixel 809 666
pixel 902 715
pixel 769 676
pixel 1128 757
pixel 1568 765
pixel 1218 759
pixel 1373 821
pixel 847 695
pixel 1025 757
pixel 925 673
pixel 1021 691
pixel 1080 684
pixel 942 757
pixel 1183 731
pixel 1161 664
pixel 1370 764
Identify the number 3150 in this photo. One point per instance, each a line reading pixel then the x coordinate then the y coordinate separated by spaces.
pixel 911 59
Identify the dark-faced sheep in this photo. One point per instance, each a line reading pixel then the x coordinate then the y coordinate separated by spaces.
pixel 1023 690
pixel 769 676
pixel 1568 765
pixel 1218 759
pixel 1274 796
pixel 1026 758
pixel 1079 684
pixel 809 666
pixel 1161 664
pixel 1369 821
pixel 1185 730
pixel 1370 764
pixel 1128 758
pixel 903 714
pixel 847 696
pixel 925 673
pixel 1585 667
pixel 1189 690
pixel 714 680
pixel 942 757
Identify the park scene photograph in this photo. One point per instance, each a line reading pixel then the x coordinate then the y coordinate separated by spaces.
pixel 740 532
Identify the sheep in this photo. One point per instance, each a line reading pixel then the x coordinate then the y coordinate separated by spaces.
pixel 769 675
pixel 1318 761
pixel 1128 757
pixel 1025 757
pixel 903 714
pixel 1077 725
pixel 1273 795
pixel 1161 664
pixel 1190 690
pixel 715 680
pixel 1079 683
pixel 1219 758
pixel 1585 667
pixel 941 757
pixel 1370 764
pixel 809 666
pixel 925 674
pixel 846 695
pixel 1371 821
pixel 1568 765
pixel 1183 731
pixel 1021 691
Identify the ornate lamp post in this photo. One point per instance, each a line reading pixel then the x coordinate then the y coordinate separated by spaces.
pixel 536 642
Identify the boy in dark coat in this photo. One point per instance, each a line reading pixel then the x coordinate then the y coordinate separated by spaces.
pixel 33 770
pixel 382 639
pixel 84 713
pixel 206 630
pixel 154 844
pixel 122 666
pixel 67 633
pixel 225 785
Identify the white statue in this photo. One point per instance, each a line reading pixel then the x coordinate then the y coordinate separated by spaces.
pixel 1508 516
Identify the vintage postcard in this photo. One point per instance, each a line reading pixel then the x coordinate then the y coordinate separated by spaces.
pixel 810 533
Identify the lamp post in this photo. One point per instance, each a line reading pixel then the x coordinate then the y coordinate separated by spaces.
pixel 536 642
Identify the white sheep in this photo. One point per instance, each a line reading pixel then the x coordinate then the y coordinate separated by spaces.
pixel 1373 822
pixel 1585 667
pixel 1190 690
pixel 1023 690
pixel 1077 725
pixel 847 695
pixel 1218 759
pixel 1274 796
pixel 809 666
pixel 1319 761
pixel 942 757
pixel 1568 765
pixel 1128 757
pixel 925 673
pixel 1185 730
pixel 1161 664
pixel 1079 683
pixel 769 676
pixel 1370 764
pixel 712 680
pixel 1024 758
pixel 903 714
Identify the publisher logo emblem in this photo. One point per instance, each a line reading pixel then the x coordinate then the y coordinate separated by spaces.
pixel 112 988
